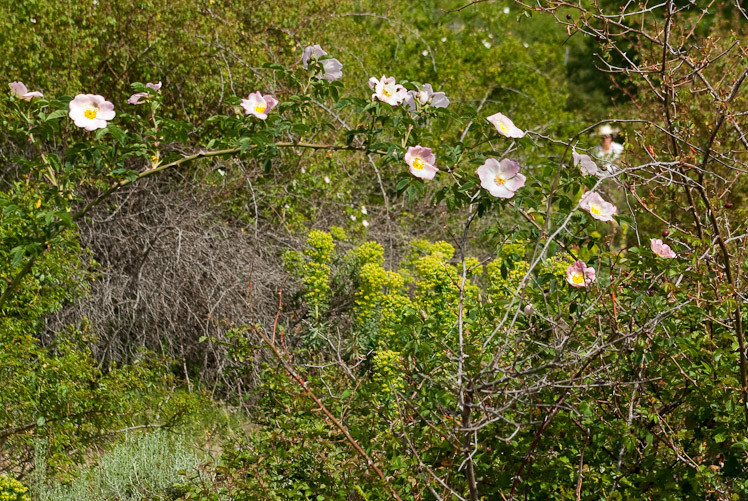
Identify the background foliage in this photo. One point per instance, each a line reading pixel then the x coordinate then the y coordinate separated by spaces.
pixel 303 283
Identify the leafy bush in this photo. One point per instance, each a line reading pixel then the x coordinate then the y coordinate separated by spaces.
pixel 543 313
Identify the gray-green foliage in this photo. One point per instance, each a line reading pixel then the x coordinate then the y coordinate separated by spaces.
pixel 144 466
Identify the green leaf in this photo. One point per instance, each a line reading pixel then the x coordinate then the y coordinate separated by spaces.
pixel 402 184
pixel 65 218
pixel 101 133
pixel 117 133
pixel 56 114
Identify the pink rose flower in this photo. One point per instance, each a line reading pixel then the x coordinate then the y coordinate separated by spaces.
pixel 387 91
pixel 598 208
pixel 333 69
pixel 141 97
pixel 501 179
pixel 421 162
pixel 585 164
pixel 90 111
pixel 21 92
pixel 579 274
pixel 426 96
pixel 258 105
pixel 505 126
pixel 138 98
pixel 661 249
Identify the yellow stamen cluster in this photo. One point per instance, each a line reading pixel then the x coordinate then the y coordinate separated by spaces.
pixel 577 278
pixel 387 91
pixel 499 180
pixel 418 163
pixel 90 113
pixel 260 108
pixel 594 210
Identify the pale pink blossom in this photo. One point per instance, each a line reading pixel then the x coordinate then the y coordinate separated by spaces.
pixel 258 105
pixel 91 111
pixel 426 96
pixel 585 164
pixel 138 98
pixel 333 69
pixel 661 249
pixel 365 223
pixel 387 91
pixel 579 274
pixel 141 97
pixel 501 179
pixel 21 92
pixel 597 207
pixel 505 126
pixel 421 162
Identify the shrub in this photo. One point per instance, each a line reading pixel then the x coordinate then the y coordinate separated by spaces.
pixel 143 466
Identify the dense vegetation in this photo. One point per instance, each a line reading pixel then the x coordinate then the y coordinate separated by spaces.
pixel 263 279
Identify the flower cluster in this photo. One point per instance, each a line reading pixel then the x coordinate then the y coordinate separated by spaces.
pixel 388 371
pixel 504 288
pixel 371 296
pixel 426 96
pixel 380 299
pixel 370 252
pixel 316 274
pixel 12 490
pixel 321 246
